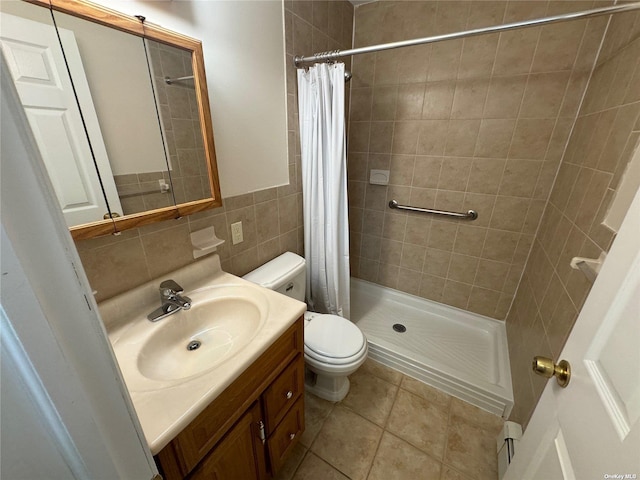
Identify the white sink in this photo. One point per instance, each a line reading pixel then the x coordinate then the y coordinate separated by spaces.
pixel 236 321
pixel 222 321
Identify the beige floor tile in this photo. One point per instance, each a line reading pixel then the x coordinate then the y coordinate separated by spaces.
pixel 449 473
pixel 419 422
pixel 313 468
pixel 316 410
pixel 425 391
pixel 291 464
pixel 365 388
pixel 398 460
pixel 381 371
pixel 348 442
pixel 472 450
pixel 472 414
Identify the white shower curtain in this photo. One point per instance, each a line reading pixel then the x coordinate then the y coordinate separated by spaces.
pixel 324 187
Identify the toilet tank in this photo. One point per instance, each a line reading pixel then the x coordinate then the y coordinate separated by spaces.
pixel 285 274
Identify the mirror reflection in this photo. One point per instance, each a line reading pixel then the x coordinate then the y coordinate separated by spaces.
pixel 116 116
pixel 174 86
pixel 31 48
pixel 110 73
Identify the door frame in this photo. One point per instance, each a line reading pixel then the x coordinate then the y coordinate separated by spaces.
pixel 58 326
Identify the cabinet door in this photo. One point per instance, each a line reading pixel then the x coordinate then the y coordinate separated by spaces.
pixel 239 456
pixel 286 435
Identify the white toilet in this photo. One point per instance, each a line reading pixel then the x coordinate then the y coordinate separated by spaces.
pixel 334 347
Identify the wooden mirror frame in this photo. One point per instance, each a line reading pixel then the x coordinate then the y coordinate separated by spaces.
pixel 125 23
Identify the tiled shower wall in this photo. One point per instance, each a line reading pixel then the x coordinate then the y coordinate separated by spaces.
pixel 271 219
pixel 552 294
pixel 479 123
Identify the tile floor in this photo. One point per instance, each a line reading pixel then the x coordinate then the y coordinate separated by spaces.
pixel 392 427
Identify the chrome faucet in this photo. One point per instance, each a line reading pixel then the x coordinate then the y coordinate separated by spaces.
pixel 171 300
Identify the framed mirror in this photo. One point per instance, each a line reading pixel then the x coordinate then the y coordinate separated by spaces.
pixel 143 106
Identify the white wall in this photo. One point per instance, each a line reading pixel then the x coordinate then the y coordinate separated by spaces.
pixel 243 44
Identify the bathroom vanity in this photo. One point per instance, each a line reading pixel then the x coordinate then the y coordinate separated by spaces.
pixel 250 428
pixel 233 407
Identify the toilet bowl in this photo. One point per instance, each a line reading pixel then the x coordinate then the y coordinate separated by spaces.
pixel 334 347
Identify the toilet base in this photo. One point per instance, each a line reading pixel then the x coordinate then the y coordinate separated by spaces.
pixel 329 388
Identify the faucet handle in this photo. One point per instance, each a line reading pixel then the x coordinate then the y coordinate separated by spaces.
pixel 169 287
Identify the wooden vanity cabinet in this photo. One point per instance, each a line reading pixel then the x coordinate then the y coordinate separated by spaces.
pixel 248 430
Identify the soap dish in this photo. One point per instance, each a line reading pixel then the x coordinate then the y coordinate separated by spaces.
pixel 205 242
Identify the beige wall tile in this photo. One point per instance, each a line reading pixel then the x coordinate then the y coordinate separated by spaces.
pixel 515 51
pixel 432 137
pixel 500 245
pixel 456 294
pixel 485 175
pixel 505 96
pixel 405 138
pixel 463 268
pixel 409 102
pixel 494 138
pixel 394 226
pixel 431 287
pixel 436 262
pixel 461 137
pixel 454 174
pixel 469 240
pixel 531 138
pixel 413 257
pixel 543 95
pixel 519 178
pixel 409 281
pixel 384 103
pixel 478 54
pixel 438 99
pixel 469 98
pixel 417 230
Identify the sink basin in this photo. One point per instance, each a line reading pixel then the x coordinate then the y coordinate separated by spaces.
pixel 221 322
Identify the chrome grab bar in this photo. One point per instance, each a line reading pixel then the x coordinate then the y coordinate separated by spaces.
pixel 470 215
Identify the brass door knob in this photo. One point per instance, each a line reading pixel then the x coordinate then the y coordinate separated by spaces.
pixel 545 367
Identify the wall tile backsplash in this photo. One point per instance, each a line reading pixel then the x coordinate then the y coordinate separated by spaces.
pixel 479 123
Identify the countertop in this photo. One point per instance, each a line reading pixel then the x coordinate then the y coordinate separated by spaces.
pixel 166 408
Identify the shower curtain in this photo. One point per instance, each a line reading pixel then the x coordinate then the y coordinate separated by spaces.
pixel 324 187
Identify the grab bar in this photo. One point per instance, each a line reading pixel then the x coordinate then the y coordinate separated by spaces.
pixel 470 215
pixel 169 81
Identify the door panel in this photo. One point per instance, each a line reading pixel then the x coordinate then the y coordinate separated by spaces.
pixel 591 428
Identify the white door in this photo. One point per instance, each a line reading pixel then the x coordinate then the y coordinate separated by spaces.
pixel 32 52
pixel 591 428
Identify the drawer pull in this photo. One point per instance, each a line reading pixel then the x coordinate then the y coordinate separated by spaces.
pixel 292 436
pixel 289 394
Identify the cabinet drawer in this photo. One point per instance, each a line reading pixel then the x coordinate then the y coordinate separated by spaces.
pixel 286 435
pixel 283 393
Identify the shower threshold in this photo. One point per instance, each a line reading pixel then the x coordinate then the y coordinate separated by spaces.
pixel 461 353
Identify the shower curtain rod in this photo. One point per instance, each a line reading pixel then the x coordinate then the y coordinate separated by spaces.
pixel 564 17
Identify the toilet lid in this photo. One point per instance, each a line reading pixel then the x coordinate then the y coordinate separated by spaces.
pixel 333 337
